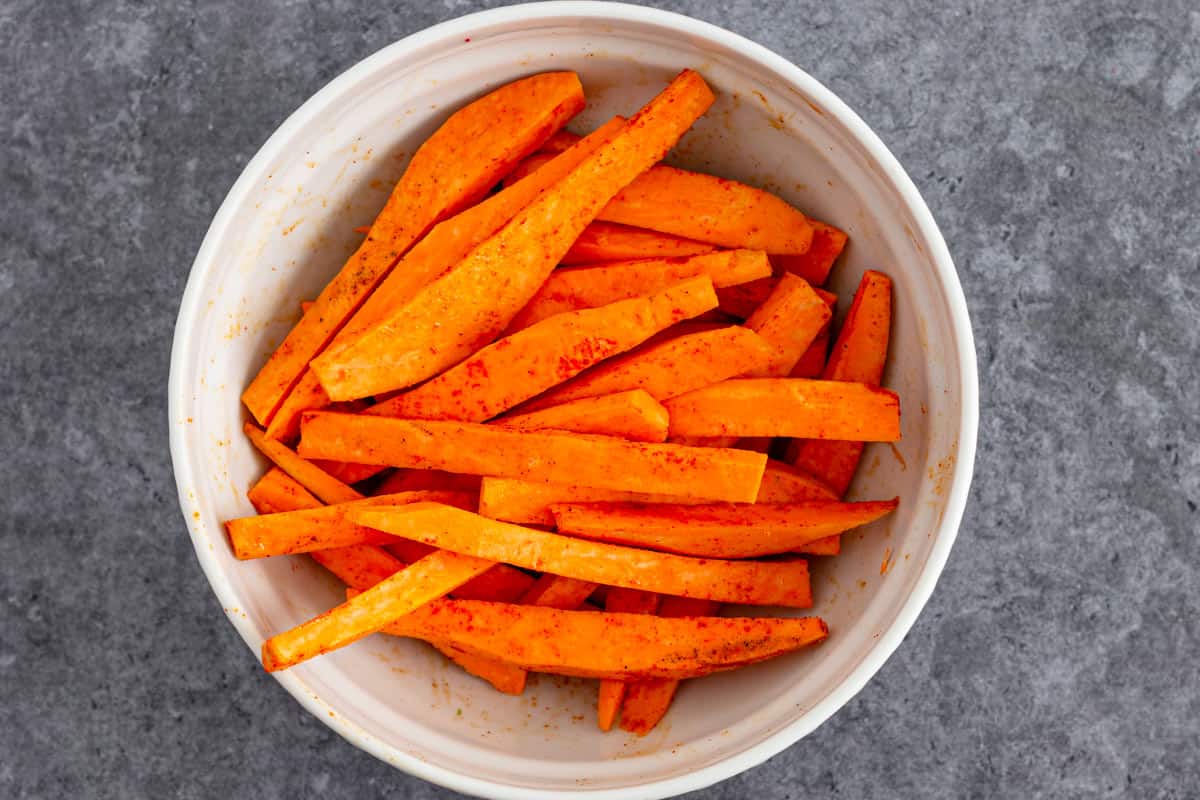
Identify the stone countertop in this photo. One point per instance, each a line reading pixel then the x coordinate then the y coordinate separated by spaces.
pixel 1058 145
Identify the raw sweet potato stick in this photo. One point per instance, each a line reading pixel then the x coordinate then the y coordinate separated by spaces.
pixel 456 166
pixel 430 578
pixel 789 321
pixel 758 583
pixel 573 288
pixel 528 502
pixel 741 530
pixel 814 266
pixel 700 207
pixel 637 646
pixel 601 461
pixel 631 415
pixel 607 241
pixel 322 528
pixel 787 407
pixel 666 368
pixel 470 304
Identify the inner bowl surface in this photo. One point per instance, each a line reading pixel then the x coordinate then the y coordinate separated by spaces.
pixel 287 226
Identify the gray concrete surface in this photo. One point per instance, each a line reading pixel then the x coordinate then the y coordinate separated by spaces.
pixel 1058 145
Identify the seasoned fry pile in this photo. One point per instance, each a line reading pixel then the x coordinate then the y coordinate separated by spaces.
pixel 530 425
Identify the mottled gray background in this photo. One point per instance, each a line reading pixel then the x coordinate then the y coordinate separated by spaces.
pixel 1059 147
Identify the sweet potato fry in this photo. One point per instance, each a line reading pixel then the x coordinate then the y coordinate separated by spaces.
pixel 741 300
pixel 466 307
pixel 636 646
pixel 789 321
pixel 276 491
pixel 715 531
pixel 528 502
pixel 783 483
pixel 787 407
pixel 605 241
pixel 321 528
pixel 814 266
pixel 543 355
pixel 757 583
pixel 327 488
pixel 556 591
pixel 455 167
pixel 812 362
pixel 410 588
pixel 710 209
pixel 574 288
pixel 633 415
pixel 666 368
pixel 600 461
pixel 446 245
pixel 359 566
pixel 612 691
pixel 411 480
pixel 646 702
pixel 858 355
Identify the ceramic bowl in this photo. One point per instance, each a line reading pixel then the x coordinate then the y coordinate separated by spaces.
pixel 287 226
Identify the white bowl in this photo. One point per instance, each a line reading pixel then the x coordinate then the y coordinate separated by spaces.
pixel 286 227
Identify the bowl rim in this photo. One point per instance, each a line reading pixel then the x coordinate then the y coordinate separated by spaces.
pixel 446 33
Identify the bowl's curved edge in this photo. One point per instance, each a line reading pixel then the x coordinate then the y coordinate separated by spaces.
pixel 183 345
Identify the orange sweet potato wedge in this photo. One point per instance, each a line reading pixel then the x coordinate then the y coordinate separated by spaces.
pixel 430 578
pixel 601 461
pixel 473 301
pixel 789 320
pixel 324 486
pixel 605 241
pixel 573 288
pixel 646 702
pixel 547 353
pixel 454 168
pixel 814 266
pixel 858 355
pixel 528 502
pixel 556 591
pixel 321 528
pixel 636 646
pixel 633 415
pixel 666 367
pixel 612 691
pixel 446 245
pixel 710 209
pixel 787 407
pixel 812 363
pixel 782 583
pixel 716 531
pixel 276 491
pixel 743 299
